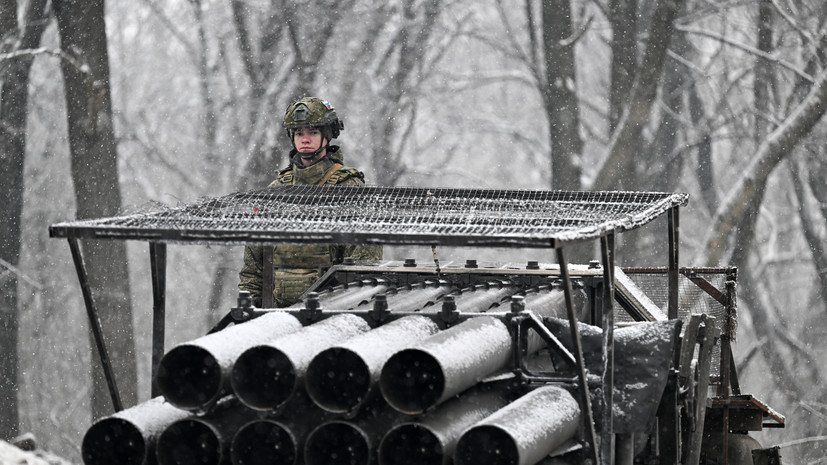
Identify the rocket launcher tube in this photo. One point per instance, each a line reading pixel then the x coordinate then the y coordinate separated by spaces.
pixel 195 375
pixel 265 376
pixel 338 443
pixel 277 439
pixel 524 432
pixel 417 378
pixel 203 440
pixel 432 439
pixel 351 442
pixel 351 297
pixel 264 441
pixel 129 436
pixel 340 378
pixel 445 364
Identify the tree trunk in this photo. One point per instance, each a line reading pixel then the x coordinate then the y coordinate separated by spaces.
pixel 97 193
pixel 819 174
pixel 14 82
pixel 811 218
pixel 763 89
pixel 13 96
pixel 750 186
pixel 399 80
pixel 560 95
pixel 624 145
pixel 623 17
pixel 704 170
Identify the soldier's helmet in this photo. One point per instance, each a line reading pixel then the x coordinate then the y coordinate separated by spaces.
pixel 312 112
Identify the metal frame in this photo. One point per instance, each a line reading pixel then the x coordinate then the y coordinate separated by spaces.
pixel 606 235
pixel 95 324
pixel 158 264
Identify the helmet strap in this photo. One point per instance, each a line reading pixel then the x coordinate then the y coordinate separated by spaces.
pixel 325 137
pixel 314 153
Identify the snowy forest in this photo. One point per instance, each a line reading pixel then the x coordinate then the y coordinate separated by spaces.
pixel 132 105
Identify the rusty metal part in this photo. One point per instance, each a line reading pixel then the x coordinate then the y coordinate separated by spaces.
pixel 128 437
pixel 340 378
pixel 431 440
pixel 196 374
pixel 265 376
pixel 524 432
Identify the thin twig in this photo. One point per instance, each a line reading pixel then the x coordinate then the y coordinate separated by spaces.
pixel 802 441
pixel 20 275
pixel 72 60
pixel 748 49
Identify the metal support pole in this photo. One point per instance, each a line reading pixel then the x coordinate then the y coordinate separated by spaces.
pixel 95 325
pixel 607 245
pixel 669 435
pixel 267 277
pixel 585 401
pixel 673 239
pixel 158 266
pixel 625 449
pixel 727 365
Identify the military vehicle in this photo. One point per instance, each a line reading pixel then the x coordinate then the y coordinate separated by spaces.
pixel 474 362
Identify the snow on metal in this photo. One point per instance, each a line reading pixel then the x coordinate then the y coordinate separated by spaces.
pixel 387 215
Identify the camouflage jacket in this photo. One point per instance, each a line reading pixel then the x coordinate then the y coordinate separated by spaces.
pixel 297 267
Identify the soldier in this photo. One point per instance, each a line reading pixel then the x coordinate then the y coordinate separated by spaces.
pixel 311 124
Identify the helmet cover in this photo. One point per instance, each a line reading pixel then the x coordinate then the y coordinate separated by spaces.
pixel 312 112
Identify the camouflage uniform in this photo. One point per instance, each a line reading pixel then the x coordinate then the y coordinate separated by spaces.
pixel 297 267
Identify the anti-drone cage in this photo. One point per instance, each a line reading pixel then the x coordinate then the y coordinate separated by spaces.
pixel 391 216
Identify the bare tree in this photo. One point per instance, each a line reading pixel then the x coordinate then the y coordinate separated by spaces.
pixel 623 15
pixel 750 186
pixel 804 184
pixel 17 42
pixel 97 192
pixel 623 147
pixel 262 67
pixel 560 94
pixel 397 74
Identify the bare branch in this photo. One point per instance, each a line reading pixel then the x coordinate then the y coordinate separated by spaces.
pixel 792 22
pixel 19 273
pixel 243 37
pixel 772 150
pixel 622 147
pixel 803 441
pixel 520 54
pixel 746 48
pixel 79 66
pixel 172 28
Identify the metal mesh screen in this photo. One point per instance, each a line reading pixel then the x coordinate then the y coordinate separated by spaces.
pixel 693 299
pixel 353 215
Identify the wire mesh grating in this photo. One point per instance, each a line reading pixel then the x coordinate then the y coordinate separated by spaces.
pixel 693 299
pixel 387 215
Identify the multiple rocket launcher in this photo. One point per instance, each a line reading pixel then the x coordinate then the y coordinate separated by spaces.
pixel 272 390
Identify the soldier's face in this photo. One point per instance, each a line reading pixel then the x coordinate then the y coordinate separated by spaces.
pixel 307 139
